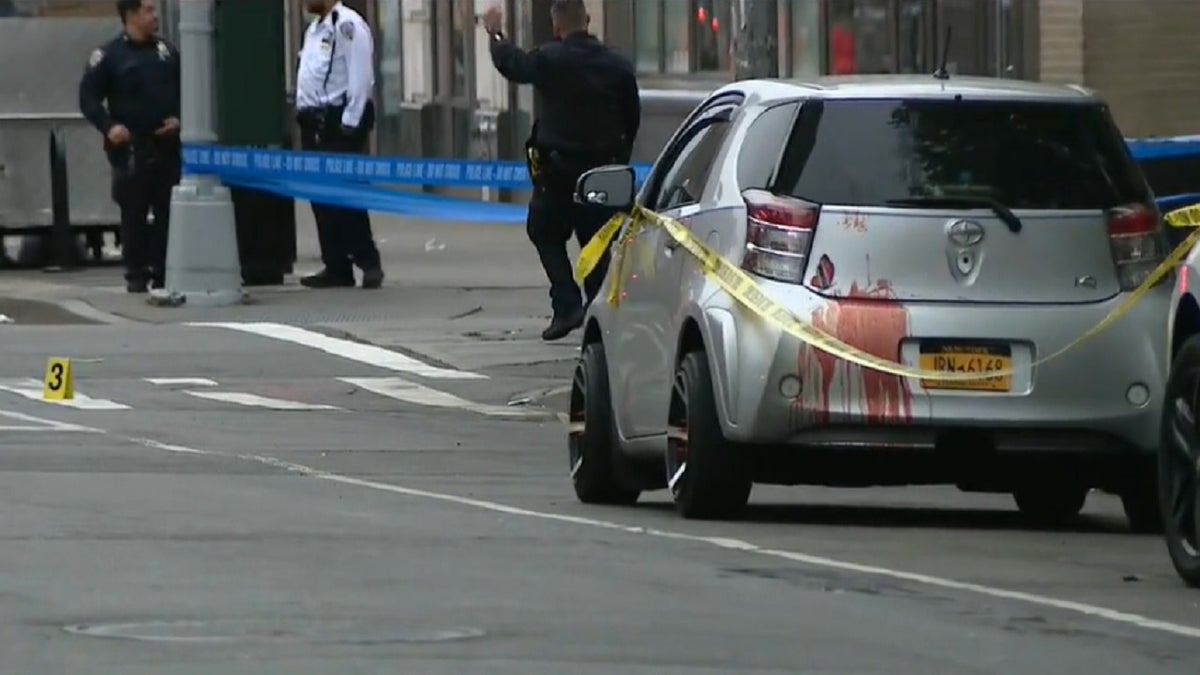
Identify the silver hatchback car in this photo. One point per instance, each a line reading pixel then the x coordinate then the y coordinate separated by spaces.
pixel 957 224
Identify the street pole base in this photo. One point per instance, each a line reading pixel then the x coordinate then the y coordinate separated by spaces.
pixel 167 298
pixel 203 268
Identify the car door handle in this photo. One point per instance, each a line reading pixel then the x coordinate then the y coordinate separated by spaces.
pixel 671 245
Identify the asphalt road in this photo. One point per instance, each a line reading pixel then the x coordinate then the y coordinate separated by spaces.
pixel 286 509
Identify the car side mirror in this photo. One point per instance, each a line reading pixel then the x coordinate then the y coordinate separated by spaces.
pixel 611 186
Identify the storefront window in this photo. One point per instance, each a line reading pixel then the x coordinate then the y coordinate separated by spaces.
pixel 860 37
pixel 712 27
pixel 677 23
pixel 968 54
pixel 913 20
pixel 647 21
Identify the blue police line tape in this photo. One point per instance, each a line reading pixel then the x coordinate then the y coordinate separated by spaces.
pixel 290 164
pixel 383 200
pixel 1177 201
pixel 350 181
pixel 1144 149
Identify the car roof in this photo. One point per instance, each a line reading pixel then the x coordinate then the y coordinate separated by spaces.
pixel 911 86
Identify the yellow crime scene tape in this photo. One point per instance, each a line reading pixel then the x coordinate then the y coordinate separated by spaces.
pixel 743 288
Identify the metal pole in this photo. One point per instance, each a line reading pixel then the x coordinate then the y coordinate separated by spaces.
pixel 202 253
pixel 757 49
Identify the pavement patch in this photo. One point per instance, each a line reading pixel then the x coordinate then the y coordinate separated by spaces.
pixel 412 392
pixel 38 313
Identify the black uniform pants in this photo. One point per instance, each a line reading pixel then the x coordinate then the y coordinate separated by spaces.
pixel 142 187
pixel 344 234
pixel 553 218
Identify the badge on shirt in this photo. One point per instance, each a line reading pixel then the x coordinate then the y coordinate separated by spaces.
pixel 326 44
pixel 96 57
pixel 347 30
pixel 163 52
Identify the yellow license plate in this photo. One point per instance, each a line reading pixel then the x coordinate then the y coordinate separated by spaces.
pixel 960 358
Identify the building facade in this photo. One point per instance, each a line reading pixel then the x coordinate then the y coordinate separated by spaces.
pixel 439 95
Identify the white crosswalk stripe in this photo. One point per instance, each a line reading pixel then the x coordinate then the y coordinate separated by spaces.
pixel 256 401
pixel 26 423
pixel 348 349
pixel 182 381
pixel 32 389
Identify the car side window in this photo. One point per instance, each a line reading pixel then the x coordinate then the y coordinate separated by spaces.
pixel 719 107
pixel 684 181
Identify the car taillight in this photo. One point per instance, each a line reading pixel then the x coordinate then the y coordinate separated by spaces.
pixel 1136 242
pixel 779 234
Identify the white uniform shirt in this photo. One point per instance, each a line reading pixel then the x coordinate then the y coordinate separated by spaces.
pixel 350 45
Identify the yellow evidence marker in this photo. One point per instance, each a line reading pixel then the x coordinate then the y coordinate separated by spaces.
pixel 58 384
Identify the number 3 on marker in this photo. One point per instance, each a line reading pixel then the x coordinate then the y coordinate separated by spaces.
pixel 58 385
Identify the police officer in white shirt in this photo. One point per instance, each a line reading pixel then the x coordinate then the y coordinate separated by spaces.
pixel 336 114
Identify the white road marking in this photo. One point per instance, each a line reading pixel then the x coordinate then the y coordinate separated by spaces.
pixel 32 389
pixel 43 424
pixel 347 349
pixel 412 392
pixel 1091 611
pixel 254 400
pixel 182 381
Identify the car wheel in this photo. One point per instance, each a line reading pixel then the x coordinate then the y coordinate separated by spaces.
pixel 1179 463
pixel 704 473
pixel 1050 502
pixel 1140 498
pixel 592 440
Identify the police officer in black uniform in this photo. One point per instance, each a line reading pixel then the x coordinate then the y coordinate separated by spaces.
pixel 589 117
pixel 137 74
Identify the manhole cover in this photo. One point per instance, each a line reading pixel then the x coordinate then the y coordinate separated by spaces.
pixel 235 630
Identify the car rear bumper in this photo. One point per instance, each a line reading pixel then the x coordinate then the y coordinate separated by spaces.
pixel 1077 402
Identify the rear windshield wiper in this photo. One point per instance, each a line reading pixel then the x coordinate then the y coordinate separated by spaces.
pixel 1005 214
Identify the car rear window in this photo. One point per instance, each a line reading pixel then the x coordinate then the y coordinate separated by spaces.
pixel 1029 155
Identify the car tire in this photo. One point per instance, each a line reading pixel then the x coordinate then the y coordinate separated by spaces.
pixel 706 476
pixel 1050 502
pixel 1178 474
pixel 592 441
pixel 1141 499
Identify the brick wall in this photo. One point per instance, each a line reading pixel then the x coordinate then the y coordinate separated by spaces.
pixel 1061 41
pixel 1143 56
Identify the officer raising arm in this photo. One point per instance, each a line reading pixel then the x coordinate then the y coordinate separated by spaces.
pixel 137 75
pixel 589 117
pixel 335 114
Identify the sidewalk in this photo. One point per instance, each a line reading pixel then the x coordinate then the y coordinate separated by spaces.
pixel 465 294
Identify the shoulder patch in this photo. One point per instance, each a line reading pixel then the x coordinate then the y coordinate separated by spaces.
pixel 347 30
pixel 96 57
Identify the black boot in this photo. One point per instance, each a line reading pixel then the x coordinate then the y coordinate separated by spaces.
pixel 327 279
pixel 372 277
pixel 562 325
